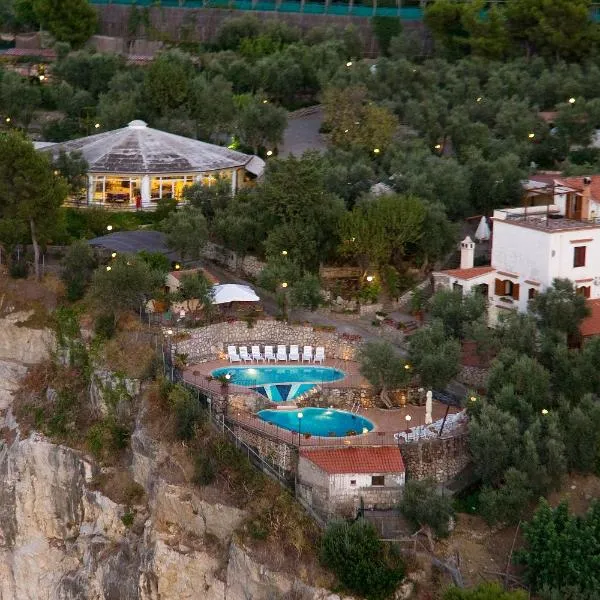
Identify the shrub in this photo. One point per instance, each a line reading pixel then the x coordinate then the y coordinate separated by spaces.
pixel 19 269
pixel 104 326
pixel 128 518
pixel 187 412
pixel 422 504
pixel 354 552
pixel 485 591
pixel 205 469
pixel 77 268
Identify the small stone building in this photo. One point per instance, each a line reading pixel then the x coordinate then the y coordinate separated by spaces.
pixel 334 480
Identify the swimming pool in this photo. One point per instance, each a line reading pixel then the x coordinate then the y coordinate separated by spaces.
pixel 327 422
pixel 280 383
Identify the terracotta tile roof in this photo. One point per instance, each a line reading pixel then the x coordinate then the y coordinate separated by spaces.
pixel 469 273
pixel 577 183
pixel 211 278
pixel 357 460
pixel 591 324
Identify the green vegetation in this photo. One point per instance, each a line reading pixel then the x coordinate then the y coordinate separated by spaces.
pixel 362 563
pixel 77 268
pixel 485 591
pixel 561 552
pixel 424 505
pixel 186 232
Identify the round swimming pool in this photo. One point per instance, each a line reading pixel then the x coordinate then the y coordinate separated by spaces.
pixel 280 383
pixel 326 422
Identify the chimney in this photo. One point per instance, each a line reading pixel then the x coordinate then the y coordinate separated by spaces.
pixel 585 198
pixel 467 253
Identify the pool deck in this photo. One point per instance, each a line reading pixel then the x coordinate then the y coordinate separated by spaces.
pixel 387 421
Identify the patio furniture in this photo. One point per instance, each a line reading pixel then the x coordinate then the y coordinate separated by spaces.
pixel 256 355
pixel 269 354
pixel 233 355
pixel 244 354
pixel 281 353
pixel 319 354
pixel 294 353
pixel 307 354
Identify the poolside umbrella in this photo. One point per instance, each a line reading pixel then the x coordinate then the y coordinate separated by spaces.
pixel 483 230
pixel 233 292
pixel 429 408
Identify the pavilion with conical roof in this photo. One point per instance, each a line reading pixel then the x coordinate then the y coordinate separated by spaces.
pixel 136 166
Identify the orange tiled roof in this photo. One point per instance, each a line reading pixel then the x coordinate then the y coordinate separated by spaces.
pixel 577 183
pixel 357 460
pixel 469 273
pixel 179 274
pixel 591 324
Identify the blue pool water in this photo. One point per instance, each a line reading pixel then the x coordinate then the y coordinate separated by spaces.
pixel 326 422
pixel 279 384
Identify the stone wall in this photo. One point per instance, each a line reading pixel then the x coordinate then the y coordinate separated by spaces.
pixel 248 265
pixel 207 343
pixel 439 459
pixel 277 453
pixel 473 377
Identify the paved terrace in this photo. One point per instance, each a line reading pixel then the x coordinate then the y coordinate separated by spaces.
pixel 387 421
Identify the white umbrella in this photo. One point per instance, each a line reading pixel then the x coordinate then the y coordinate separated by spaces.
pixel 483 230
pixel 429 408
pixel 233 292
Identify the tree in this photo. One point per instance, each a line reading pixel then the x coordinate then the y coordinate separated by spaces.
pixel 72 21
pixel 260 124
pixel 306 292
pixel 506 504
pixel 126 284
pixel 423 505
pixel 77 268
pixel 444 18
pixel 20 98
pixel 186 232
pixel 91 72
pixel 383 367
pixel 29 190
pixel 360 560
pixel 560 308
pixel 212 106
pixel 456 310
pixel 484 591
pixel 434 356
pixel 385 28
pixel 196 287
pixel 73 168
pixel 488 35
pixel 209 199
pixel 378 231
pixel 356 122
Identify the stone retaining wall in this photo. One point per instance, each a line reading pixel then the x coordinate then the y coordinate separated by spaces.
pixel 208 343
pixel 248 265
pixel 439 459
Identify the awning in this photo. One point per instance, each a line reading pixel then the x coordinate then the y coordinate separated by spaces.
pixel 256 166
pixel 233 292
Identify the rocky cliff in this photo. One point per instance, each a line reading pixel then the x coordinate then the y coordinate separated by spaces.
pixel 62 539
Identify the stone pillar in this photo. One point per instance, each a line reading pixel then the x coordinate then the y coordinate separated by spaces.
pixel 91 189
pixel 146 201
pixel 233 182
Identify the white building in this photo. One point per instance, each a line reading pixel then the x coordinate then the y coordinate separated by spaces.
pixel 335 480
pixel 533 245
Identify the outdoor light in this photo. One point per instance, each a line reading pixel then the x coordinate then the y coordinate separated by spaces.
pixel 97 125
pixel 353 239
pixel 109 268
pixel 284 252
pixel 479 99
pixel 473 399
pixel 284 284
pixel 365 430
pixel 544 411
pixel 265 101
pixel 376 150
pixel 349 63
pixel 531 135
pixel 228 376
pixel 169 332
pixel 370 278
pixel 114 255
pixel 8 119
pixel 438 146
pixel 407 366
pixel 56 172
pixel 269 152
pixel 571 100
pixel 42 77
pixel 109 228
pixel 177 266
pixel 300 415
pixel 346 130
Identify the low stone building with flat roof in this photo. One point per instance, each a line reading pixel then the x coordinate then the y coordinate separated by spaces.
pixel 336 480
pixel 136 166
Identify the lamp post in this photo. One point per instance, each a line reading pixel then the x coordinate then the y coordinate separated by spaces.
pixel 169 333
pixel 300 415
pixel 407 418
pixel 284 287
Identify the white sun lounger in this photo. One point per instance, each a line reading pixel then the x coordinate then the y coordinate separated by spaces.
pixel 281 353
pixel 294 353
pixel 269 354
pixel 307 354
pixel 232 354
pixel 244 354
pixel 256 355
pixel 319 354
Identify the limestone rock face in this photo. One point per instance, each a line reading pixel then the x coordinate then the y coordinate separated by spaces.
pixel 19 343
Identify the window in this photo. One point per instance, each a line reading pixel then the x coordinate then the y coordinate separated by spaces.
pixel 353 482
pixel 579 256
pixel 506 288
pixel 584 290
pixel 532 293
pixel 378 480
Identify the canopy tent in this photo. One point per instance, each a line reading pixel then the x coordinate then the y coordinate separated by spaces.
pixel 233 292
pixel 483 230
